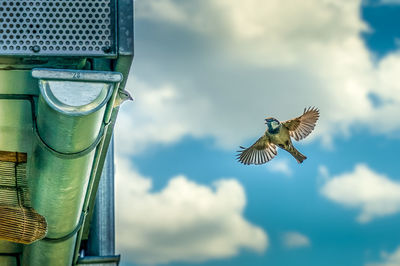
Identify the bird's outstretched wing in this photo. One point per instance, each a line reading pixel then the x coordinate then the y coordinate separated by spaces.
pixel 260 152
pixel 300 127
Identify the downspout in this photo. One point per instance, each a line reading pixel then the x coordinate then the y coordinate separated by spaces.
pixel 102 234
pixel 69 126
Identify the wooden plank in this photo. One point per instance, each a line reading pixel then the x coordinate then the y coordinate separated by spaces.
pixel 15 157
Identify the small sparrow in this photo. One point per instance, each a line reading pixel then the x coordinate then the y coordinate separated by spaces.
pixel 264 149
pixel 122 96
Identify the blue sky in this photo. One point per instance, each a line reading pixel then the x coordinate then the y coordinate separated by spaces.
pixel 205 75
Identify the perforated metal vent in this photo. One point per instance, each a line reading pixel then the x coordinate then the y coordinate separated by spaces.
pixel 57 27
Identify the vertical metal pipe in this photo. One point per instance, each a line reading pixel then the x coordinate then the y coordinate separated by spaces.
pixel 101 240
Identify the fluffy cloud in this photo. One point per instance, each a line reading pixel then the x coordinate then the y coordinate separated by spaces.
pixel 392 259
pixel 153 118
pixel 185 221
pixel 225 65
pixel 295 240
pixel 373 193
pixel 280 166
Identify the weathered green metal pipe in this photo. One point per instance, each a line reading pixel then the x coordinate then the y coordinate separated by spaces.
pixel 70 117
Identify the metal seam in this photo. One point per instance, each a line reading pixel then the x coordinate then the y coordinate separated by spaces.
pixel 69 235
pixel 67 155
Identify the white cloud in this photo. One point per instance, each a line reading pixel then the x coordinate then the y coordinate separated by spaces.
pixel 323 175
pixel 165 10
pixel 185 221
pixel 323 171
pixel 392 259
pixel 280 166
pixel 153 118
pixel 295 240
pixel 253 59
pixel 373 193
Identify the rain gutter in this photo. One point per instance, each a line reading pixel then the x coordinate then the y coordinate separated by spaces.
pixel 74 112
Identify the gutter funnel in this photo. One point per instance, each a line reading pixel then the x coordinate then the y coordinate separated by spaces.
pixel 69 126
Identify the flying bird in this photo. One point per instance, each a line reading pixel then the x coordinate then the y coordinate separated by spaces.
pixel 278 134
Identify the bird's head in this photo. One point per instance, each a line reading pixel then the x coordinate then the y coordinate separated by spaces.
pixel 272 122
pixel 125 95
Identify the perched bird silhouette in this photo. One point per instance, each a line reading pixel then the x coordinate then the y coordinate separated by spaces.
pixel 122 96
pixel 264 149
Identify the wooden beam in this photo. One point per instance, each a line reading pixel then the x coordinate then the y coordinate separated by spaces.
pixel 15 157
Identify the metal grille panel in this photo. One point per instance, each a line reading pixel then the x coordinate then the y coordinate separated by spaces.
pixel 56 27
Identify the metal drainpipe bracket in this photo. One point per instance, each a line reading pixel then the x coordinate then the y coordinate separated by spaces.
pixel 77 75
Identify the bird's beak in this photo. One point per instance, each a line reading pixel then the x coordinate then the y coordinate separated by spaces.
pixel 265 121
pixel 130 98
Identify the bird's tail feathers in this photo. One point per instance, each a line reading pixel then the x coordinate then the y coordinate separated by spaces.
pixel 296 154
